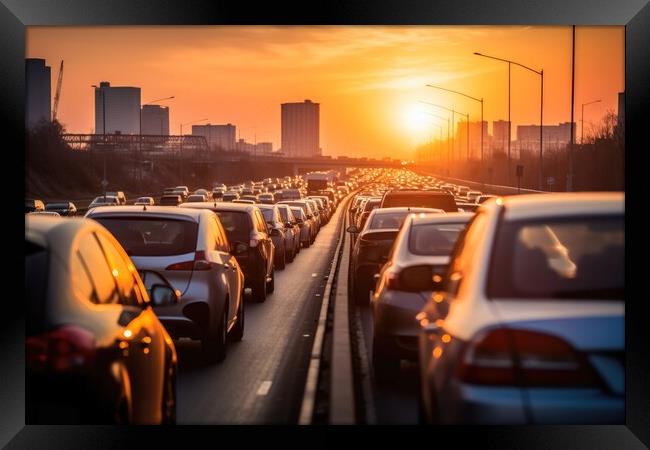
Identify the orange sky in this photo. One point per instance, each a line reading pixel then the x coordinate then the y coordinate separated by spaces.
pixel 367 79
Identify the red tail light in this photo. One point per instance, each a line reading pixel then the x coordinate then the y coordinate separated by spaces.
pixel 66 348
pixel 200 262
pixel 524 358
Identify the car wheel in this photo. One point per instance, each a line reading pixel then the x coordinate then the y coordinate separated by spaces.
pixel 259 288
pixel 169 399
pixel 292 253
pixel 282 259
pixel 307 243
pixel 386 368
pixel 237 332
pixel 270 287
pixel 214 344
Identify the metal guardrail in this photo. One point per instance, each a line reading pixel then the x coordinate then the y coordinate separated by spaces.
pixel 488 188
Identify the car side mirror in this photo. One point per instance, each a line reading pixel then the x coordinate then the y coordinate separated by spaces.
pixel 275 232
pixel 352 229
pixel 353 210
pixel 238 248
pixel 163 295
pixel 288 224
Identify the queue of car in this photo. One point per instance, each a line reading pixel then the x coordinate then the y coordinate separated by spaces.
pixel 117 287
pixel 512 307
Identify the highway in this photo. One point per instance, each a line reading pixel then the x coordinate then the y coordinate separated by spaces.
pixel 262 378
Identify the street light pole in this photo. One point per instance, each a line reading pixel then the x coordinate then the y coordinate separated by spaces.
pixel 582 121
pixel 541 114
pixel 478 100
pixel 452 126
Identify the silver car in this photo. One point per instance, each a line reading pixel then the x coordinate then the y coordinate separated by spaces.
pixel 418 258
pixel 529 326
pixel 190 248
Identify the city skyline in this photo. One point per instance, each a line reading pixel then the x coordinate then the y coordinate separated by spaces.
pixel 368 79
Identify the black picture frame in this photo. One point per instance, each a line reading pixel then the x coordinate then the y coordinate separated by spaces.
pixel 15 15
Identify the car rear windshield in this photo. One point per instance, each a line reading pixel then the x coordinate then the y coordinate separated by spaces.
pixel 420 200
pixel 169 201
pixel 152 236
pixel 237 224
pixel 573 258
pixel 269 215
pixel 434 239
pixel 388 220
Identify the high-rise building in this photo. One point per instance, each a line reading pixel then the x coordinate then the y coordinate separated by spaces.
pixel 500 136
pixel 264 148
pixel 122 107
pixel 474 139
pixel 155 120
pixel 554 136
pixel 219 137
pixel 38 89
pixel 300 129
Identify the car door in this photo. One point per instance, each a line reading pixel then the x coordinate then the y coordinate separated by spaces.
pixel 230 268
pixel 143 336
pixel 267 243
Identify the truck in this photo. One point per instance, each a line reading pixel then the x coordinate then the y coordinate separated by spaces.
pixel 319 181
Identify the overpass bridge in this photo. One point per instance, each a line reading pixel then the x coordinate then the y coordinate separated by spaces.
pixel 192 153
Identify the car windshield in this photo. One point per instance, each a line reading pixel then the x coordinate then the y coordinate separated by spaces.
pixel 237 225
pixel 434 239
pixel 574 258
pixel 152 236
pixel 390 220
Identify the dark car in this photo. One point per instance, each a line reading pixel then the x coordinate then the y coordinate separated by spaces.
pixel 32 205
pixel 267 198
pixel 245 224
pixel 95 350
pixel 372 246
pixel 290 194
pixel 170 200
pixel 279 234
pixel 64 209
pixel 419 199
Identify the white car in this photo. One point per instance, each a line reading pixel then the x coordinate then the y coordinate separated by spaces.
pixel 190 248
pixel 148 201
pixel 108 200
pixel 529 326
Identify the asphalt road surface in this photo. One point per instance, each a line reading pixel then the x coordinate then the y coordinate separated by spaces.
pixel 262 379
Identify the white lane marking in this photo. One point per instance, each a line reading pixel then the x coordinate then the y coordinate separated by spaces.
pixel 264 388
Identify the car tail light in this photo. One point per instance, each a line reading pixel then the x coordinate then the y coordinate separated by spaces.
pixel 200 262
pixel 63 349
pixel 524 358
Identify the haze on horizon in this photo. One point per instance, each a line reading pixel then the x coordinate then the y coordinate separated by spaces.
pixel 368 79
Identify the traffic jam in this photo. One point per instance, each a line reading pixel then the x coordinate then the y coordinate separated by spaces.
pixel 505 309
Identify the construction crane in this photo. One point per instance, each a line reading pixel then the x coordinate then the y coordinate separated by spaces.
pixel 58 92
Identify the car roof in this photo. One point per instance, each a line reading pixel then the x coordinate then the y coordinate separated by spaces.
pixel 396 209
pixel 223 206
pixel 560 204
pixel 55 233
pixel 427 219
pixel 156 211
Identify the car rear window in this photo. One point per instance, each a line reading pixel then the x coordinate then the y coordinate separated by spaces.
pixel 388 220
pixel 573 258
pixel 420 200
pixel 434 239
pixel 152 236
pixel 237 225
